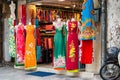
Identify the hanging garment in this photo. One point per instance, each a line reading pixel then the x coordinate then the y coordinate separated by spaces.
pixel 65 38
pixel 72 47
pixel 30 52
pixel 59 55
pixel 12 47
pixel 88 24
pixel 38 45
pixel 20 45
pixel 86 52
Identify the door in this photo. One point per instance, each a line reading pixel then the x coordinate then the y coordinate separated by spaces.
pixel 1 35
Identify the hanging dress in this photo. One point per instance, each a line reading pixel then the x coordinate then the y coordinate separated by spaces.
pixel 30 52
pixel 38 41
pixel 59 55
pixel 20 45
pixel 65 38
pixel 72 47
pixel 87 32
pixel 12 47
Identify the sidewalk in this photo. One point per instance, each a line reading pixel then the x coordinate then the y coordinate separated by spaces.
pixel 9 73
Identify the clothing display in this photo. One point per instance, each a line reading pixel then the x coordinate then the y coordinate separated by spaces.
pixel 30 52
pixel 20 44
pixel 72 47
pixel 86 49
pixel 59 55
pixel 87 32
pixel 88 24
pixel 12 47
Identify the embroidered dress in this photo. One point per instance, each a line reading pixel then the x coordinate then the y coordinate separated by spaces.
pixel 88 24
pixel 12 47
pixel 59 55
pixel 30 52
pixel 20 45
pixel 72 47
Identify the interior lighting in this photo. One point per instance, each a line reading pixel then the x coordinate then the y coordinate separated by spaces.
pixel 61 0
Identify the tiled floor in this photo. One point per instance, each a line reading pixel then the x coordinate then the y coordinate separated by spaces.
pixel 9 73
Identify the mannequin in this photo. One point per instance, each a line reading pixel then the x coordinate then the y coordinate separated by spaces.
pixel 12 9
pixel 59 55
pixel 20 45
pixel 72 48
pixel 30 52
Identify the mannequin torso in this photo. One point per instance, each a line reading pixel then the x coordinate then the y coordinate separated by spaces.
pixel 12 9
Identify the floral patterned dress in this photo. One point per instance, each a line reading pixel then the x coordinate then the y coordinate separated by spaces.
pixel 30 52
pixel 88 24
pixel 59 55
pixel 20 44
pixel 12 47
pixel 72 47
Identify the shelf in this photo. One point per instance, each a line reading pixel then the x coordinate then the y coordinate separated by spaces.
pixel 47 35
pixel 45 23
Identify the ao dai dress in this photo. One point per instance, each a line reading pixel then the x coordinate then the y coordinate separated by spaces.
pixel 72 47
pixel 30 52
pixel 59 54
pixel 12 47
pixel 20 44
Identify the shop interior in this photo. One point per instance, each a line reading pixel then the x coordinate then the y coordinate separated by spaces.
pixel 46 11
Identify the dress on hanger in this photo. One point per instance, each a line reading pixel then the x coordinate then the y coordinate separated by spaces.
pixel 88 24
pixel 20 44
pixel 87 32
pixel 72 47
pixel 59 55
pixel 30 52
pixel 12 47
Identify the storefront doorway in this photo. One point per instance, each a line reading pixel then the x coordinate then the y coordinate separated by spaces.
pixel 1 35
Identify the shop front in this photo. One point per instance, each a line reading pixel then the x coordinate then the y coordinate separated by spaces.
pixel 43 14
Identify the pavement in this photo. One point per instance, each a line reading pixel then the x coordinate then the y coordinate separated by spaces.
pixel 10 73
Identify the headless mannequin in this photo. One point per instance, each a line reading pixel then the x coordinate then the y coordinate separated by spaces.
pixel 12 9
pixel 29 23
pixel 58 23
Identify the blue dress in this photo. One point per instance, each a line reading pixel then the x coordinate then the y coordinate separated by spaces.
pixel 88 24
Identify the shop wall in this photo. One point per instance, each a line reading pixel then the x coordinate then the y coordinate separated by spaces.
pixel 95 66
pixel 113 23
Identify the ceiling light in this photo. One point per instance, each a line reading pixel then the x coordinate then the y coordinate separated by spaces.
pixel 61 0
pixel 66 7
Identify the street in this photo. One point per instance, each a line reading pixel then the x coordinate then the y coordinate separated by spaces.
pixel 10 73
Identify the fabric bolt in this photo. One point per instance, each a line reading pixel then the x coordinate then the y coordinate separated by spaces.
pixel 50 43
pixel 86 49
pixel 88 21
pixel 30 52
pixel 20 44
pixel 12 47
pixel 72 47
